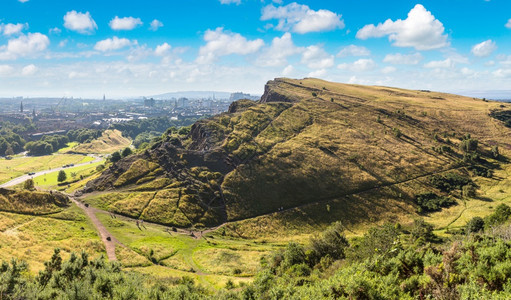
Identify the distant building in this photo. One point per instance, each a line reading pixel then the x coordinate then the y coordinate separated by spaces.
pixel 240 95
pixel 182 102
pixel 149 102
pixel 21 107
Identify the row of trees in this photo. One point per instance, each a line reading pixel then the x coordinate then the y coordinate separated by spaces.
pixel 47 145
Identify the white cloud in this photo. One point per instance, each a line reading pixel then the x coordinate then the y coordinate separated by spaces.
pixel 484 49
pixel 24 45
pixel 317 73
pixel 80 22
pixel 126 23
pixel 112 44
pixel 508 24
pixel 29 70
pixel 388 70
pixel 360 65
pixel 403 59
pixel 55 30
pixel 23 1
pixel 238 2
pixel 289 70
pixel 354 50
pixel 220 43
pixel 440 64
pixel 317 58
pixel 12 29
pixel 277 53
pixel 162 50
pixel 420 30
pixel 301 19
pixel 155 25
pixel 5 70
pixel 502 73
pixel 74 74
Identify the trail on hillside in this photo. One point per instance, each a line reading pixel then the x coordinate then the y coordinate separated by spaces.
pixel 103 232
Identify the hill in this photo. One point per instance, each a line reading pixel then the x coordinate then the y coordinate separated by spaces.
pixel 311 152
pixel 32 203
pixel 110 141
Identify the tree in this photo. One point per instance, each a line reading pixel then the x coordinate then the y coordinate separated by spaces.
pixel 62 176
pixel 476 224
pixel 9 151
pixel 116 156
pixel 29 184
pixel 127 151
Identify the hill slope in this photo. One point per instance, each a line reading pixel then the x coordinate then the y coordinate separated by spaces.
pixel 334 151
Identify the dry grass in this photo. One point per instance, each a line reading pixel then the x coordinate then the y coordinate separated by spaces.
pixel 109 142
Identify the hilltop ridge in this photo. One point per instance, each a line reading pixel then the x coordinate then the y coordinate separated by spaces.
pixel 333 151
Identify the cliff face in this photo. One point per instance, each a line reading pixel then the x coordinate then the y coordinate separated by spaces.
pixel 364 151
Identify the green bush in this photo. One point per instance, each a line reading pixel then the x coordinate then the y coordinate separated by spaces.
pixel 430 202
pixel 499 216
pixel 475 224
pixel 449 181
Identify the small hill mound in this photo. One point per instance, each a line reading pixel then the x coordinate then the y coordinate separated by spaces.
pixel 327 150
pixel 33 203
pixel 109 142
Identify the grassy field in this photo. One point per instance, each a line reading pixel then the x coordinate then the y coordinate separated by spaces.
pixel 18 166
pixel 33 238
pixel 69 147
pixel 109 142
pixel 212 260
pixel 49 181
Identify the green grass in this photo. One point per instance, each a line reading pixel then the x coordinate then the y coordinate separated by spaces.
pixel 10 169
pixel 212 261
pixel 49 181
pixel 68 148
pixel 33 238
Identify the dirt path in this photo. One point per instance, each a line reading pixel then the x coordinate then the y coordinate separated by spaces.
pixel 103 232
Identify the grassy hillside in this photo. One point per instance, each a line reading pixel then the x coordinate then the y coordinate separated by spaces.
pixel 110 141
pixel 312 152
pixel 32 203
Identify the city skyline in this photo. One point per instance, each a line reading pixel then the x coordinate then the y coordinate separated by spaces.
pixel 129 49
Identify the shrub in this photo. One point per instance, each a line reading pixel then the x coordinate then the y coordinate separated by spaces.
pixel 331 242
pixel 499 216
pixel 29 185
pixel 422 232
pixel 429 202
pixel 127 151
pixel 469 190
pixel 469 145
pixel 314 94
pixel 397 132
pixel 116 156
pixel 449 181
pixel 476 224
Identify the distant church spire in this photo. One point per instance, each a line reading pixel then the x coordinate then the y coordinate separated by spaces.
pixel 21 107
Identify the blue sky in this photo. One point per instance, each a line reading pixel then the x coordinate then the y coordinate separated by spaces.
pixel 132 48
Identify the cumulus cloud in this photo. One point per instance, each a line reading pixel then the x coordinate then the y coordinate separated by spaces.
pixel 354 50
pixel 281 48
pixel 508 24
pixel 484 49
pixel 112 44
pixel 126 23
pixel 288 71
pixel 360 65
pixel 29 70
pixel 221 43
pixel 162 50
pixel 12 29
pixel 388 70
pixel 24 45
pixel 317 58
pixel 301 19
pixel 23 1
pixel 420 30
pixel 440 64
pixel 80 22
pixel 403 59
pixel 5 70
pixel 317 73
pixel 155 25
